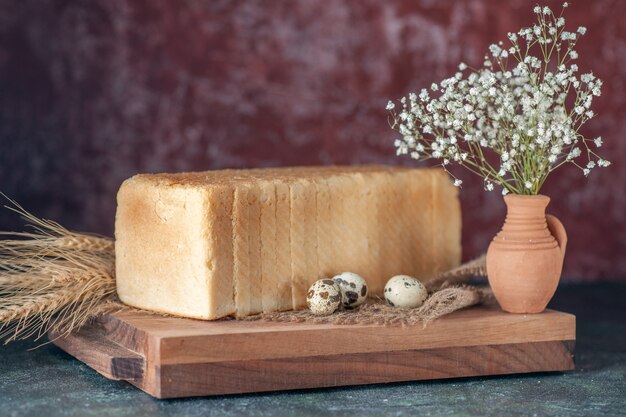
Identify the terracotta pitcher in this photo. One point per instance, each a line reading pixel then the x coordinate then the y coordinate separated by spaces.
pixel 525 259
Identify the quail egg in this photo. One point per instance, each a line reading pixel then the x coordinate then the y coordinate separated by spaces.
pixel 324 297
pixel 353 289
pixel 405 291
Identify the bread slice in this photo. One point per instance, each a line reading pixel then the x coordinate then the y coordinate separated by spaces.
pixel 303 238
pixel 367 206
pixel 241 249
pixel 267 196
pixel 325 239
pixel 446 222
pixel 166 230
pixel 282 275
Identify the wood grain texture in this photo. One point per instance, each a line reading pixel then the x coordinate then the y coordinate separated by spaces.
pixel 172 357
pixel 363 368
pixel 106 357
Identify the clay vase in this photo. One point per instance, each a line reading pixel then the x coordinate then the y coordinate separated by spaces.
pixel 525 259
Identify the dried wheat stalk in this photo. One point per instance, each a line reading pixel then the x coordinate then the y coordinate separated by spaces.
pixel 52 277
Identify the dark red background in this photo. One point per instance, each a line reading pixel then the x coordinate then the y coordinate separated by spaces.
pixel 92 92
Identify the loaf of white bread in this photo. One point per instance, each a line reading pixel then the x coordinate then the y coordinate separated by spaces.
pixel 238 242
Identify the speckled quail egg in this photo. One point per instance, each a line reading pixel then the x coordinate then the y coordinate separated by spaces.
pixel 324 297
pixel 405 291
pixel 353 289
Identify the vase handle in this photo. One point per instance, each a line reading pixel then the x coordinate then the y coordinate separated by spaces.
pixel 558 231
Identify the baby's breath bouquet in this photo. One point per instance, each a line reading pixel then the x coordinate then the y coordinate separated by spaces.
pixel 513 121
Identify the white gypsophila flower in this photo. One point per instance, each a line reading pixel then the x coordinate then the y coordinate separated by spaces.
pixel 515 108
pixel 458 183
pixel 598 141
pixel 574 153
pixel 489 186
pixel 390 105
pixel 528 185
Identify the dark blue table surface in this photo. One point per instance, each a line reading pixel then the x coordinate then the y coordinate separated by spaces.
pixel 48 382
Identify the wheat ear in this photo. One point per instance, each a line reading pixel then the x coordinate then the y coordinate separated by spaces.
pixel 52 277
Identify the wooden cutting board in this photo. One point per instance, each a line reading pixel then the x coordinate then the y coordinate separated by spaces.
pixel 174 357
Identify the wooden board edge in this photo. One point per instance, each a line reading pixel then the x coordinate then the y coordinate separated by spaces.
pixel 104 356
pixel 240 377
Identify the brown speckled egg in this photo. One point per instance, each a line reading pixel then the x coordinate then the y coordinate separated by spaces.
pixel 405 291
pixel 323 297
pixel 353 289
